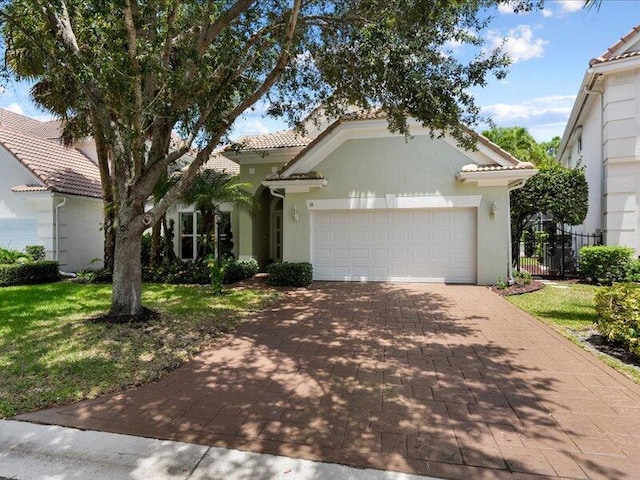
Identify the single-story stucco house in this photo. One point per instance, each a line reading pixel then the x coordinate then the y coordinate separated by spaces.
pixel 603 136
pixel 363 204
pixel 49 194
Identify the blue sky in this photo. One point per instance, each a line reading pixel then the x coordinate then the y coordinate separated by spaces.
pixel 550 50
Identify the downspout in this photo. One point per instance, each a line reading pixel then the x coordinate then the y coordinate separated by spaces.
pixel 64 200
pixel 603 181
pixel 510 188
pixel 275 193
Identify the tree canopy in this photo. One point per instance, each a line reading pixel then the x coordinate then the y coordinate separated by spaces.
pixel 130 72
pixel 521 144
pixel 555 191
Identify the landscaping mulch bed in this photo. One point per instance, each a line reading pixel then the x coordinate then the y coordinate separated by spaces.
pixel 517 289
pixel 592 340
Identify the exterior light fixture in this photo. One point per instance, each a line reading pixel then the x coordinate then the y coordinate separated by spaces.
pixel 493 210
pixel 295 214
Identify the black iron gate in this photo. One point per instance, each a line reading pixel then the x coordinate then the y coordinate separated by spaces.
pixel 550 250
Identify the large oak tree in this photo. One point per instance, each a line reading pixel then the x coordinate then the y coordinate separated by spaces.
pixel 129 72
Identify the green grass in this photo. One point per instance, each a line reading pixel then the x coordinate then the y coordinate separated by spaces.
pixel 569 309
pixel 51 353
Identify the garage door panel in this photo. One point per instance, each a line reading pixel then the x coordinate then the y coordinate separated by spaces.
pixel 426 245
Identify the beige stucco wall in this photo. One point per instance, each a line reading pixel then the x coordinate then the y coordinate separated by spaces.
pixel 254 174
pixel 417 167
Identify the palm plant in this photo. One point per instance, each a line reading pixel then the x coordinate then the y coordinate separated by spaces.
pixel 210 189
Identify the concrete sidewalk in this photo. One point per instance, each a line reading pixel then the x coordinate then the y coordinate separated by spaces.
pixel 37 452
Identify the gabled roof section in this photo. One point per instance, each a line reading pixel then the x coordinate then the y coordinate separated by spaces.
pixel 269 141
pixel 59 169
pixel 485 146
pixel 623 48
pixel 220 163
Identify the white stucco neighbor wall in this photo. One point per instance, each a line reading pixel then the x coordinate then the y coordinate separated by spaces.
pixel 81 240
pixel 622 158
pixel 374 168
pixel 25 217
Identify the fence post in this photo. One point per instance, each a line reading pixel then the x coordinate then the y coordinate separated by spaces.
pixel 563 252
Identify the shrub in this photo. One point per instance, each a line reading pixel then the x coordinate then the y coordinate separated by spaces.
pixel 618 309
pixel 522 277
pixel 634 272
pixel 501 283
pixel 605 264
pixel 8 256
pixel 178 273
pixel 29 273
pixel 94 276
pixel 36 252
pixel 239 270
pixel 287 274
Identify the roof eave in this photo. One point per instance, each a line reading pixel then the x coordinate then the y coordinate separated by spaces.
pixel 498 178
pixel 296 186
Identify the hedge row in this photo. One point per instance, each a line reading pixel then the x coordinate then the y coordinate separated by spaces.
pixel 29 273
pixel 287 274
pixel 606 264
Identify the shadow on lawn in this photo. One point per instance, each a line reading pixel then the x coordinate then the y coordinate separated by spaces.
pixel 423 379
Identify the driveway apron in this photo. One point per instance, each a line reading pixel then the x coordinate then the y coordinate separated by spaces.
pixel 441 380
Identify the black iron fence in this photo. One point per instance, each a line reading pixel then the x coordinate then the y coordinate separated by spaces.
pixel 550 250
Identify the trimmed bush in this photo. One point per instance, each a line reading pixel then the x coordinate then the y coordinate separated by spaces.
pixel 618 309
pixel 178 273
pixel 29 273
pixel 239 270
pixel 287 274
pixel 605 264
pixel 36 252
pixel 8 256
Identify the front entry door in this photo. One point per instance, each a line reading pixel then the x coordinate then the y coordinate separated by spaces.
pixel 276 236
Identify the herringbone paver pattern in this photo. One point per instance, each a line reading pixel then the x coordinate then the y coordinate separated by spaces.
pixel 449 381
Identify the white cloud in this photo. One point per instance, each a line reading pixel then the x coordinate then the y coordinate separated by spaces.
pixel 506 8
pixel 544 117
pixel 547 13
pixel 247 126
pixel 571 6
pixel 520 43
pixel 15 108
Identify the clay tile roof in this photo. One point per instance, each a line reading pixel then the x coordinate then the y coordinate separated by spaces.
pixel 270 141
pixel 611 53
pixel 497 168
pixel 296 176
pixel 60 169
pixel 29 188
pixel 222 164
pixel 30 126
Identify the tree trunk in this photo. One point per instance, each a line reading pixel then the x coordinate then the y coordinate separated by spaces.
pixel 109 243
pixel 155 253
pixel 126 298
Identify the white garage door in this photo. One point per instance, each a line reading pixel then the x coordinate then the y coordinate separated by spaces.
pixel 425 245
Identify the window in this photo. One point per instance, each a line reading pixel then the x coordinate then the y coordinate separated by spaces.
pixel 190 234
pixel 580 144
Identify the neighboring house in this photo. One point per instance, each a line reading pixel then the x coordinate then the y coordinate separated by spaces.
pixel 603 136
pixel 49 194
pixel 360 203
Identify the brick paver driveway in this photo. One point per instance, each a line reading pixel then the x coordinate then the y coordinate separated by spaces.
pixel 449 381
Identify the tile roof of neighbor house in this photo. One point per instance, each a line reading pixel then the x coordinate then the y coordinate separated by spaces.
pixel 612 53
pixel 221 163
pixel 269 141
pixel 60 169
pixel 30 126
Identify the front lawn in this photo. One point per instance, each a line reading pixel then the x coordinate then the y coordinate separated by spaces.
pixel 569 308
pixel 50 353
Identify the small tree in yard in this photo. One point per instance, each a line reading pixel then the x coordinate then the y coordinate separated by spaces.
pixel 129 72
pixel 209 190
pixel 559 192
